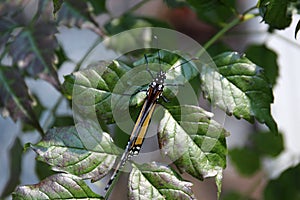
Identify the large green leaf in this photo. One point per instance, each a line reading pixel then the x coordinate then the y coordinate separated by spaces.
pixel 286 186
pixel 265 58
pixel 154 181
pixel 276 13
pixel 15 100
pixel 91 89
pixel 34 49
pixel 194 142
pixel 59 186
pixel 239 87
pixel 83 150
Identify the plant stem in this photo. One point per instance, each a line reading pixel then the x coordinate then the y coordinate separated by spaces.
pixel 52 112
pixel 240 18
pixel 136 6
pixel 91 48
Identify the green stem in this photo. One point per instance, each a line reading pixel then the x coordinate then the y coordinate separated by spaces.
pixel 136 6
pixel 217 36
pixel 97 42
pixel 239 19
pixel 52 112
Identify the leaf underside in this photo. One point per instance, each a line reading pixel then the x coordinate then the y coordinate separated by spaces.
pixel 239 87
pixel 154 181
pixel 58 186
pixel 84 151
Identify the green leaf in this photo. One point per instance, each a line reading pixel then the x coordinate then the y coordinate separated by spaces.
pixel 91 89
pixel 239 87
pixel 15 100
pixel 276 13
pixel 267 144
pixel 265 58
pixel 246 161
pixel 286 186
pixel 15 156
pixel 154 181
pixel 34 50
pixel 83 150
pixel 215 12
pixel 193 141
pixel 59 186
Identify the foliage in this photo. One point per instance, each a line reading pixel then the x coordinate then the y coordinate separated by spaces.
pixel 239 84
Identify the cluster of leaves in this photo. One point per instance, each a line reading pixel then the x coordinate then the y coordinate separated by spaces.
pixel 30 49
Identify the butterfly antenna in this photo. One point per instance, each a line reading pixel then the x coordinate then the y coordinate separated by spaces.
pixel 148 70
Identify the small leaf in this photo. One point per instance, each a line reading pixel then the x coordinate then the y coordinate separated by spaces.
pixel 33 49
pixel 246 161
pixel 15 100
pixel 15 156
pixel 58 186
pixel 265 58
pixel 193 141
pixel 276 13
pixel 84 151
pixel 239 87
pixel 286 186
pixel 154 181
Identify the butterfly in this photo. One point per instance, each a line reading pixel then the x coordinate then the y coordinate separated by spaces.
pixel 154 92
